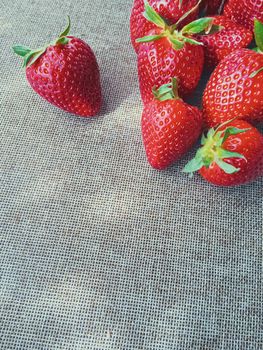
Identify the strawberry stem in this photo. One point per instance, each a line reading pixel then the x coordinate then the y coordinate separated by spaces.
pixel 67 30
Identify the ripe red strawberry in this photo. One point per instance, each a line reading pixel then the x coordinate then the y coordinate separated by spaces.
pixel 213 7
pixel 231 37
pixel 171 10
pixel 167 52
pixel 230 155
pixel 235 88
pixel 65 73
pixel 170 127
pixel 244 12
pixel 158 61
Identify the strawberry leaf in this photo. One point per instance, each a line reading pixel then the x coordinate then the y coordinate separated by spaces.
pixel 149 38
pixel 21 50
pixel 194 165
pixel 177 44
pixel 256 49
pixel 223 153
pixel 163 89
pixel 167 91
pixel 197 26
pixel 187 14
pixel 214 28
pixel 32 57
pixel 228 168
pixel 152 16
pixel 232 131
pixel 258 30
pixel 192 41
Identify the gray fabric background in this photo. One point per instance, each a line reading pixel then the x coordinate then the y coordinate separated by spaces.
pixel 99 251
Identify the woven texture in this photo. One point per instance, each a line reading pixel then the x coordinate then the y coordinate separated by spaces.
pixel 97 250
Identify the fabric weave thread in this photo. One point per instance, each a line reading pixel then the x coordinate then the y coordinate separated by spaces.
pixel 97 250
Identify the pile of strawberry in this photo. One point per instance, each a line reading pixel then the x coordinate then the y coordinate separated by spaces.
pixel 173 45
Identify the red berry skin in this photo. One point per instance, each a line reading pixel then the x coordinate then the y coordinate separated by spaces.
pixel 168 9
pixel 170 129
pixel 158 62
pixel 68 77
pixel 250 145
pixel 244 11
pixel 231 38
pixel 231 92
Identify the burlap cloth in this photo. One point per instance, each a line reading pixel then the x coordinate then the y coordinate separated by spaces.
pixel 99 251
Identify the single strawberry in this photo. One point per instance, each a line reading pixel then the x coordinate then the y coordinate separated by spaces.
pixel 170 127
pixel 65 73
pixel 230 155
pixel 167 52
pixel 213 7
pixel 235 88
pixel 244 12
pixel 231 37
pixel 171 10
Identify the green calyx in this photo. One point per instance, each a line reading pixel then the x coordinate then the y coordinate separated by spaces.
pixel 258 33
pixel 178 38
pixel 31 56
pixel 212 150
pixel 167 91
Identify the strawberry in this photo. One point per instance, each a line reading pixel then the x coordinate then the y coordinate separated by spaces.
pixel 65 73
pixel 170 127
pixel 231 37
pixel 231 155
pixel 167 52
pixel 235 88
pixel 244 12
pixel 172 10
pixel 213 7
